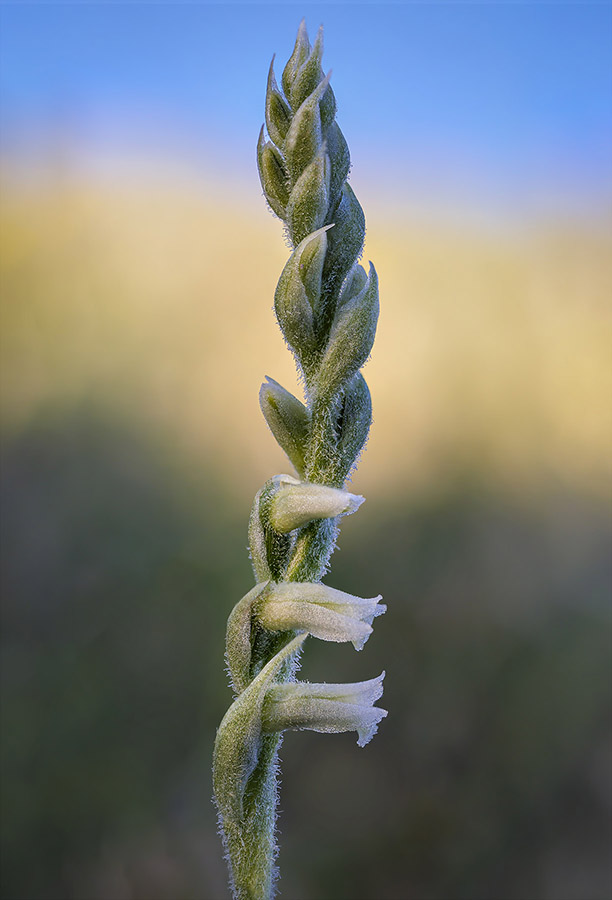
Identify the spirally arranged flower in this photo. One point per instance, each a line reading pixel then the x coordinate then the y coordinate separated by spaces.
pixel 327 308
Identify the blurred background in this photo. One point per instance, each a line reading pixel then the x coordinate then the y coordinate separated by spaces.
pixel 138 265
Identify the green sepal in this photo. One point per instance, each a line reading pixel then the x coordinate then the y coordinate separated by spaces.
pixel 238 642
pixel 350 340
pixel 238 736
pixel 288 420
pixel 278 113
pixel 354 283
pixel 327 105
pixel 269 548
pixel 340 159
pixel 309 74
pixel 346 241
pixel 272 175
pixel 257 542
pixel 306 78
pixel 353 423
pixel 299 56
pixel 307 207
pixel 244 782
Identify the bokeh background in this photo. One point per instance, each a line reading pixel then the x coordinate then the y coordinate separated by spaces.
pixel 138 264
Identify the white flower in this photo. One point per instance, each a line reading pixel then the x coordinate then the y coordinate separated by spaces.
pixel 325 707
pixel 297 503
pixel 322 611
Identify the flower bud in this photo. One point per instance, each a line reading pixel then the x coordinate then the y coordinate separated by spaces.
pixel 297 58
pixel 295 505
pixel 288 419
pixel 322 611
pixel 356 418
pixel 328 708
pixel 278 114
pixel 340 158
pixel 308 201
pixel 351 337
pixel 346 240
pixel 298 292
pixel 309 74
pixel 305 134
pixel 272 175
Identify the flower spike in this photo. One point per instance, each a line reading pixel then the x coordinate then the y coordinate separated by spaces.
pixel 327 308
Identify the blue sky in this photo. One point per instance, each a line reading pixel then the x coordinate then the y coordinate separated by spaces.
pixel 508 100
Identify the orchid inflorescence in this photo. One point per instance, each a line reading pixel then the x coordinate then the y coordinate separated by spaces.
pixel 327 309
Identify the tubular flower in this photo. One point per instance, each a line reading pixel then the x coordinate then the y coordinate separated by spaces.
pixel 330 708
pixel 322 611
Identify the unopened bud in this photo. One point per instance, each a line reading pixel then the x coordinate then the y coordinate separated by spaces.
pixel 278 114
pixel 272 175
pixel 351 337
pixel 297 58
pixel 305 134
pixel 308 202
pixel 298 292
pixel 288 419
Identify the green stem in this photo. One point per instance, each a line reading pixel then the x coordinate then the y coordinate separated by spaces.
pixel 253 872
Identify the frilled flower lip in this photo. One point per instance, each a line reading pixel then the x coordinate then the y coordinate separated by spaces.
pixel 327 708
pixel 324 612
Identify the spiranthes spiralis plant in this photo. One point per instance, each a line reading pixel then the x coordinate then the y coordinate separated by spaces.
pixel 327 309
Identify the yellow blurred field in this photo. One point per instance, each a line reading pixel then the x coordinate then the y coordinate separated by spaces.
pixel 152 299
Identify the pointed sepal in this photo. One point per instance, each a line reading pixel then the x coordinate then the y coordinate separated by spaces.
pixel 238 641
pixel 288 420
pixel 353 424
pixel 239 736
pixel 269 549
pixel 305 135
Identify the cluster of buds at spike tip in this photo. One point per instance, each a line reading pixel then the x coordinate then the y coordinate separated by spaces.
pixel 327 309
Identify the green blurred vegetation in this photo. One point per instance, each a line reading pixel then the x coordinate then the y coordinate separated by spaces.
pixel 133 347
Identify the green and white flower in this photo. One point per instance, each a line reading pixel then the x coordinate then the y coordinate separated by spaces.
pixel 324 612
pixel 328 708
pixel 327 309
